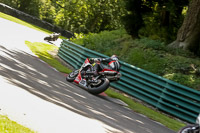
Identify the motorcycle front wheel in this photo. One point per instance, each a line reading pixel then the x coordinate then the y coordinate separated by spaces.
pixel 189 129
pixel 100 87
pixel 71 77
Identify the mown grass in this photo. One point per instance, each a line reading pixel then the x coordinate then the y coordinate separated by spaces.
pixel 42 51
pixel 19 21
pixel 150 113
pixel 8 126
pixel 16 20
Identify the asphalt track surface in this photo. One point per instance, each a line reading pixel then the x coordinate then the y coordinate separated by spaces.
pixel 37 96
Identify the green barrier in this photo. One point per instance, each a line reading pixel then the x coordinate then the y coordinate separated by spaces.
pixel 166 95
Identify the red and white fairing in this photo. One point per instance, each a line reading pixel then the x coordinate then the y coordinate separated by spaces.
pixel 79 79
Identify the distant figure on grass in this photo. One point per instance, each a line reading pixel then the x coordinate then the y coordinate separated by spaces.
pixel 52 37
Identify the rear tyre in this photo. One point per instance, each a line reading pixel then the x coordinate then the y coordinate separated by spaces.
pixel 71 77
pixel 101 87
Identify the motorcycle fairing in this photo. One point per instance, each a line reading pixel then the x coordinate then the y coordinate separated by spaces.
pixel 105 69
pixel 78 78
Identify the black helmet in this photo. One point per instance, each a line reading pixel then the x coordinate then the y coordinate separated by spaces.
pixel 114 57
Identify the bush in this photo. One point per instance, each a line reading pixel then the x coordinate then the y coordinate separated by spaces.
pixel 103 42
pixel 154 44
pixel 188 80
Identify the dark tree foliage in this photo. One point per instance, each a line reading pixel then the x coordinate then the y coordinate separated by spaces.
pixel 155 15
pixel 170 16
pixel 29 6
pixel 133 20
pixel 171 11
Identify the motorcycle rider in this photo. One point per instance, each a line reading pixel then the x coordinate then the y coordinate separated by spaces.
pixel 98 64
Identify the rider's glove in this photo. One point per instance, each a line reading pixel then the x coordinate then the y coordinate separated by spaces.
pixel 97 60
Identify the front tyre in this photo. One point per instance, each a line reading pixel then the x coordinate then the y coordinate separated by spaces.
pixel 188 129
pixel 101 87
pixel 71 77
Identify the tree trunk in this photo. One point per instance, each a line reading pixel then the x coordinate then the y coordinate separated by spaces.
pixel 188 36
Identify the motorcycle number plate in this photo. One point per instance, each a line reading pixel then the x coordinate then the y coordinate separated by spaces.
pixel 83 82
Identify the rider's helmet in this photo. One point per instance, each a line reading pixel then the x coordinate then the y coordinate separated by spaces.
pixel 114 57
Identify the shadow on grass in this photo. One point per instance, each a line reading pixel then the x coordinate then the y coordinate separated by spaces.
pixel 43 51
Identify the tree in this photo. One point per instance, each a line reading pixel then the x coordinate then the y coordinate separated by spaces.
pixel 88 15
pixel 133 20
pixel 188 36
pixel 159 19
pixel 11 3
pixel 170 11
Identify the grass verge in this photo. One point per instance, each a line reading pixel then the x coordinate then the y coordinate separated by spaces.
pixel 150 113
pixel 8 126
pixel 19 21
pixel 16 20
pixel 42 51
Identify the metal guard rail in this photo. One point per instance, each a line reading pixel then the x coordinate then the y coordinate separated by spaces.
pixel 166 95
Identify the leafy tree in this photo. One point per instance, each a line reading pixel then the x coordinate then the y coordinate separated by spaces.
pixel 75 15
pixel 89 15
pixel 189 32
pixel 47 11
pixel 28 6
pixel 12 3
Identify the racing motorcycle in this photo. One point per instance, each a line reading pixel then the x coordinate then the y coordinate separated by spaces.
pixel 85 78
pixel 195 128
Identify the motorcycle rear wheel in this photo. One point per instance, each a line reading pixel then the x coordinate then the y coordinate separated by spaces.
pixel 71 77
pixel 100 87
pixel 188 128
